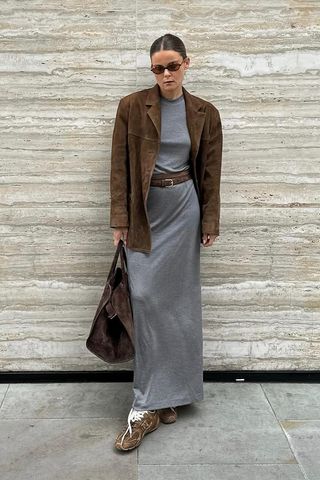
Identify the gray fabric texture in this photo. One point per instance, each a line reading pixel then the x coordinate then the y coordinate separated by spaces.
pixel 175 139
pixel 165 283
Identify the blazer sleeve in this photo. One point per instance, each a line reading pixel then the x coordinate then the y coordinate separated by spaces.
pixel 119 174
pixel 212 176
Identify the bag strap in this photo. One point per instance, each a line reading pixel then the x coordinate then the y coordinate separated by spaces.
pixel 123 257
pixel 120 250
pixel 124 266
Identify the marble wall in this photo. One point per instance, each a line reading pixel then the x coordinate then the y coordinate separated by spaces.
pixel 63 67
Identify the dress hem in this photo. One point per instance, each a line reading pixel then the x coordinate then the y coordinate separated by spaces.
pixel 172 403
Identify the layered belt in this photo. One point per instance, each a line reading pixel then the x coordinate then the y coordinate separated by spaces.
pixel 168 179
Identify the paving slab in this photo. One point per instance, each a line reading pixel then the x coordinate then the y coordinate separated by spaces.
pixel 304 438
pixel 67 400
pixel 3 390
pixel 51 449
pixel 298 401
pixel 220 472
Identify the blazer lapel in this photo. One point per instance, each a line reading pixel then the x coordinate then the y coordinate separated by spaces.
pixel 195 121
pixel 194 116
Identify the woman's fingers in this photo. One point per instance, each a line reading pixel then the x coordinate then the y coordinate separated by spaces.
pixel 208 239
pixel 118 234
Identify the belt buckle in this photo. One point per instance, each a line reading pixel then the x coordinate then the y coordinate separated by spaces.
pixel 171 180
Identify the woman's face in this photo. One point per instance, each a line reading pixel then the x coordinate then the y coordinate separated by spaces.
pixel 170 82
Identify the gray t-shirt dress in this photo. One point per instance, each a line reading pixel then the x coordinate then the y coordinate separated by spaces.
pixel 165 283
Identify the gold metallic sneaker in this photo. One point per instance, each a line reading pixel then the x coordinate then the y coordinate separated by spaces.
pixel 167 415
pixel 143 421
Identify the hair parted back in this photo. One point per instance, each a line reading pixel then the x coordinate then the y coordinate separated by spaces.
pixel 168 41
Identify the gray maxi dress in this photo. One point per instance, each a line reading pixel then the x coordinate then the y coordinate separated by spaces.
pixel 165 283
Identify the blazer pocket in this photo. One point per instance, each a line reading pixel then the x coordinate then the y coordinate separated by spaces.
pixel 142 128
pixel 142 135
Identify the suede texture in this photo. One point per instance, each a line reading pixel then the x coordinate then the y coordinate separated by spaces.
pixel 135 147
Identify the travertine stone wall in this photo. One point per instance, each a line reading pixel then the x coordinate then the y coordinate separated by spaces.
pixel 63 67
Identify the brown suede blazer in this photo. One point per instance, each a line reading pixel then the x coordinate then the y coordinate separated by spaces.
pixel 135 146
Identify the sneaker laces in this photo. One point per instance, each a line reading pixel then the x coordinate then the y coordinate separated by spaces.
pixel 133 416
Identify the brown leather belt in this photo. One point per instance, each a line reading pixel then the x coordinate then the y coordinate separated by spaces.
pixel 170 178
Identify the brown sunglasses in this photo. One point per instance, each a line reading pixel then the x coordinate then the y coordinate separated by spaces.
pixel 172 67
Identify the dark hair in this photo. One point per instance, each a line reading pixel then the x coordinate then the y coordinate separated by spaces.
pixel 168 42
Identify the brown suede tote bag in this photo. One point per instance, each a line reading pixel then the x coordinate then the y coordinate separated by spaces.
pixel 111 337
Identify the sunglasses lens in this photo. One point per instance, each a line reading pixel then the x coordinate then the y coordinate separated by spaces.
pixel 173 67
pixel 158 69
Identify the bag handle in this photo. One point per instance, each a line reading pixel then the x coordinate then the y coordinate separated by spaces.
pixel 120 250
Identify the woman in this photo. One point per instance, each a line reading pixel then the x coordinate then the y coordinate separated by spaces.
pixel 165 203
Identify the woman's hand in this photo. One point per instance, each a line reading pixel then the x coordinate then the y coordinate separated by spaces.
pixel 119 233
pixel 208 239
